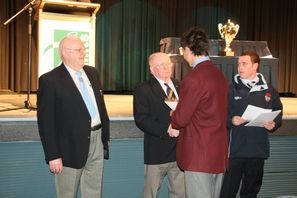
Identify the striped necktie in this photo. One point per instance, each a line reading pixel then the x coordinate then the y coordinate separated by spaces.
pixel 170 92
pixel 85 94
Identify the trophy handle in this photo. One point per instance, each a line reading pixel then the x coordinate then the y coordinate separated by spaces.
pixel 220 27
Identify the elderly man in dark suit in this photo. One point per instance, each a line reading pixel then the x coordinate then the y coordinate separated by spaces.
pixel 201 117
pixel 152 116
pixel 73 122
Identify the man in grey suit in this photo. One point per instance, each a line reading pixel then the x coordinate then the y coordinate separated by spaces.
pixel 73 122
pixel 152 116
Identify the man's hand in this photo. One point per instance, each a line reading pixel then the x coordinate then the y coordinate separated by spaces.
pixel 269 125
pixel 237 120
pixel 172 132
pixel 56 166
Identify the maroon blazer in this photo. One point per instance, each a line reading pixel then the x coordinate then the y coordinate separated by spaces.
pixel 201 116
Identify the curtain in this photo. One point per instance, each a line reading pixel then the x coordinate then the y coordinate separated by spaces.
pixel 279 28
pixel 14 69
pixel 128 31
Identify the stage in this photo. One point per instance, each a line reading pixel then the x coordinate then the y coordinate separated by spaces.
pixel 118 106
pixel 20 124
pixel 20 144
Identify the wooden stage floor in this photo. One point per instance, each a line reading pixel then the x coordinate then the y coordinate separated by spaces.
pixel 118 106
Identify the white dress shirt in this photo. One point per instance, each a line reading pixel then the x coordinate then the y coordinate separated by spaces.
pixel 170 84
pixel 96 120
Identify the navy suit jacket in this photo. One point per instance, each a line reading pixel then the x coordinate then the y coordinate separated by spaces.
pixel 64 122
pixel 152 116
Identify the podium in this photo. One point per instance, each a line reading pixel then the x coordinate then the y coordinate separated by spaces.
pixel 56 19
pixel 227 64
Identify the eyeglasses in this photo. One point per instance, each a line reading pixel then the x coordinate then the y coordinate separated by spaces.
pixel 79 50
pixel 164 65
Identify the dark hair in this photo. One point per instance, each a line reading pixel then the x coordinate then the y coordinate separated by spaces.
pixel 254 56
pixel 196 40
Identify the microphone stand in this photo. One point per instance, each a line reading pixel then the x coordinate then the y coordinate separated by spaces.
pixel 30 9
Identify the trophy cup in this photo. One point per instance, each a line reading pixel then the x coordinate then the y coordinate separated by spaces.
pixel 228 33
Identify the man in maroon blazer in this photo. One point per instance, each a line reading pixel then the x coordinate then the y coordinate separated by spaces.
pixel 201 116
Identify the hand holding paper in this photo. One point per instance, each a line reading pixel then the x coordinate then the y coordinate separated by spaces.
pixel 258 116
pixel 252 112
pixel 237 120
pixel 269 125
pixel 262 118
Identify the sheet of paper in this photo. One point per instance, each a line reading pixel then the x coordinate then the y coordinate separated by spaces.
pixel 171 104
pixel 264 117
pixel 252 112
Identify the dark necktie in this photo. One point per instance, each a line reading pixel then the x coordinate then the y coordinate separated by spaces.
pixel 170 92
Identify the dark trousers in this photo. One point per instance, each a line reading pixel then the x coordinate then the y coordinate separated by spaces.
pixel 247 170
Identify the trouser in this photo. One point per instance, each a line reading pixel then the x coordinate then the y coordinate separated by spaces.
pixel 247 170
pixel 89 177
pixel 203 185
pixel 154 175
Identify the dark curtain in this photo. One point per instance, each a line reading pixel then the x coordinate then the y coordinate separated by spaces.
pixel 128 31
pixel 278 25
pixel 14 48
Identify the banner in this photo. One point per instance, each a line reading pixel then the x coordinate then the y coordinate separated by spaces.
pixel 52 28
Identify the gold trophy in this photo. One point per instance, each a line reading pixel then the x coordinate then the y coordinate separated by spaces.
pixel 228 33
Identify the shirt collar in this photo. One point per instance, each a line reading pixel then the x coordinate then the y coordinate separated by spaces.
pixel 260 85
pixel 200 60
pixel 72 71
pixel 250 83
pixel 162 81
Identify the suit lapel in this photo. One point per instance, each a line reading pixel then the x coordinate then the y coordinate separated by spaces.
pixel 71 86
pixel 176 85
pixel 95 87
pixel 157 89
pixel 69 83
